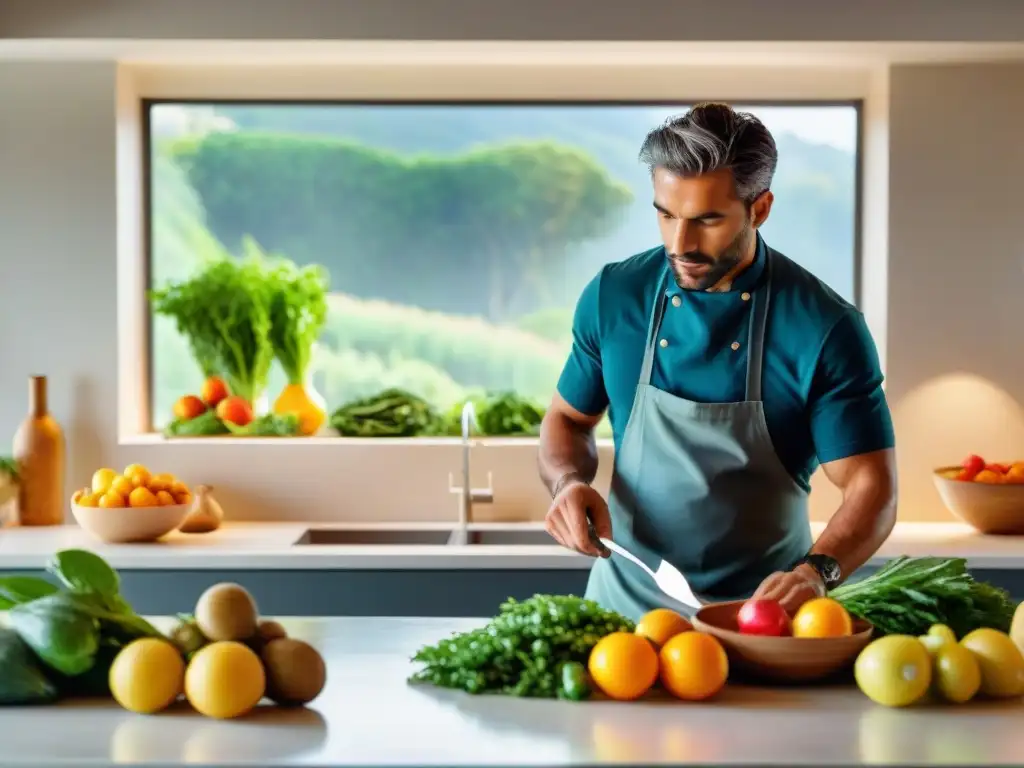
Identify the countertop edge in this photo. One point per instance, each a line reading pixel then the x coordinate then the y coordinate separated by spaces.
pixel 252 546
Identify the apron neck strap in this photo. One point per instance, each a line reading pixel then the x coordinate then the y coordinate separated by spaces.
pixel 660 299
pixel 755 338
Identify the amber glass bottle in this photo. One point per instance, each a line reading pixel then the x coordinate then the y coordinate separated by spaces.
pixel 39 450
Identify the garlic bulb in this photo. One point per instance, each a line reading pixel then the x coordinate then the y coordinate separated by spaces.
pixel 206 514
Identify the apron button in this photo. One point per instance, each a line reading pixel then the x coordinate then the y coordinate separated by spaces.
pixel 676 301
pixel 663 343
pixel 745 296
pixel 735 345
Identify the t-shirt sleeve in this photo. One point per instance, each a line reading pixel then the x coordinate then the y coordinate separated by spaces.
pixel 849 412
pixel 582 381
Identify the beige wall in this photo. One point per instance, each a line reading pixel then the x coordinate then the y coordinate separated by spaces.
pixel 954 262
pixel 749 20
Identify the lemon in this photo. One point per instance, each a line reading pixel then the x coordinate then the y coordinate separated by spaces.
pixel 101 480
pixel 147 675
pixel 225 679
pixel 1000 660
pixel 956 675
pixel 938 636
pixel 894 671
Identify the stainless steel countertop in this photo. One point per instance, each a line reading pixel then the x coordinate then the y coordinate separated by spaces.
pixel 369 715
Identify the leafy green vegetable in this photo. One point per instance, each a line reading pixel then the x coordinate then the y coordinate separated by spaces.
pixel 206 424
pixel 392 413
pixel 910 594
pixel 224 312
pixel 536 647
pixel 61 629
pixel 509 414
pixel 74 629
pixel 268 425
pixel 298 312
pixel 22 681
pixel 15 590
pixel 9 467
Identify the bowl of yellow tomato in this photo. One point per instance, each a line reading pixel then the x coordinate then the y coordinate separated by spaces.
pixel 135 505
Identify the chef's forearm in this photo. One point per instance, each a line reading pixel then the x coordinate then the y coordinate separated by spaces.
pixel 567 449
pixel 865 518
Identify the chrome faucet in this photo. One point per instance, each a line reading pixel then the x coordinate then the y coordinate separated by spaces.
pixel 468 496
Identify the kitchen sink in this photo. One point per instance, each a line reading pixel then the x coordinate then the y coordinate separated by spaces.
pixel 378 537
pixel 505 537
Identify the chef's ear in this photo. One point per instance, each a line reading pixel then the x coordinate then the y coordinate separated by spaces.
pixel 760 208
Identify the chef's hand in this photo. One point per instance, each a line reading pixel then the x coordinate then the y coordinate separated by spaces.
pixel 792 588
pixel 566 521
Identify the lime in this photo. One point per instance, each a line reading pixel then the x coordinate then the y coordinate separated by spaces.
pixel 1000 660
pixel 147 675
pixel 894 671
pixel 956 676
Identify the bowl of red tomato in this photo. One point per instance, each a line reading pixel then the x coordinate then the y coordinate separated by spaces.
pixel 987 495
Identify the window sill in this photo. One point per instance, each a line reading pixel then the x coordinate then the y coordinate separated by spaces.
pixel 155 438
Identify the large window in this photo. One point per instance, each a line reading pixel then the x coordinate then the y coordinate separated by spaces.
pixel 456 237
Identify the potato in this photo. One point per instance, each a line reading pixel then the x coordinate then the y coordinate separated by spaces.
pixel 296 672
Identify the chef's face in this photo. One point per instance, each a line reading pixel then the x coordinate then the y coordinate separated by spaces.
pixel 707 230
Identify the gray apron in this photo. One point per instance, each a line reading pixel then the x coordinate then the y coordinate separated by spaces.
pixel 700 485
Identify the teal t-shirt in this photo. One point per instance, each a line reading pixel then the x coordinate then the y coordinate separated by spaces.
pixel 821 384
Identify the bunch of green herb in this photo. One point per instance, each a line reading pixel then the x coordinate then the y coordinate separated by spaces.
pixel 8 479
pixel 910 594
pixel 537 648
pixel 75 627
pixel 224 312
pixel 391 413
pixel 298 312
pixel 9 467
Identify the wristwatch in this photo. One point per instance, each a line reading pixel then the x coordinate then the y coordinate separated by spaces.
pixel 826 567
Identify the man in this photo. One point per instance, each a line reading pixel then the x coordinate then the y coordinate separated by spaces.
pixel 729 374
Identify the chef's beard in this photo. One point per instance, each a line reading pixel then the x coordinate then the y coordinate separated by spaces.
pixel 720 266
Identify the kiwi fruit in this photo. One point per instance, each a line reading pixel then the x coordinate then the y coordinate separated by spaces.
pixel 266 631
pixel 296 672
pixel 227 612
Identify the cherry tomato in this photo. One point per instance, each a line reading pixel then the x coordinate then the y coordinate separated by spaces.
pixel 972 465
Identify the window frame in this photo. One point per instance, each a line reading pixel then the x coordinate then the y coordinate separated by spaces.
pixel 148 103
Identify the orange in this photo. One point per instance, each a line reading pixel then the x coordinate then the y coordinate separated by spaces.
pixel 623 665
pixel 111 500
pixel 822 617
pixel 989 477
pixel 122 485
pixel 142 497
pixel 165 499
pixel 661 624
pixel 694 666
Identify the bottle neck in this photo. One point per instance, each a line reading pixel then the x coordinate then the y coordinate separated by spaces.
pixel 37 404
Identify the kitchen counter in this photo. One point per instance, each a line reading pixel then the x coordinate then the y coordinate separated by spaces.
pixel 275 546
pixel 368 715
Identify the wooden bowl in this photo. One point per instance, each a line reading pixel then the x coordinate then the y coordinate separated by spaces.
pixel 783 659
pixel 995 509
pixel 130 524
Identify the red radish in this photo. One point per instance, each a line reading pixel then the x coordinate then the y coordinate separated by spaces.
pixel 763 617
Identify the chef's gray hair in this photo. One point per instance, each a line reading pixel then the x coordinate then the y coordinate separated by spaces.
pixel 710 137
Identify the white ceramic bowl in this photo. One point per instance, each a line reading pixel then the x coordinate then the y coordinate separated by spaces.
pixel 989 508
pixel 122 525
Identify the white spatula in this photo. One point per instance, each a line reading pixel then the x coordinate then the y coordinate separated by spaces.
pixel 667 577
